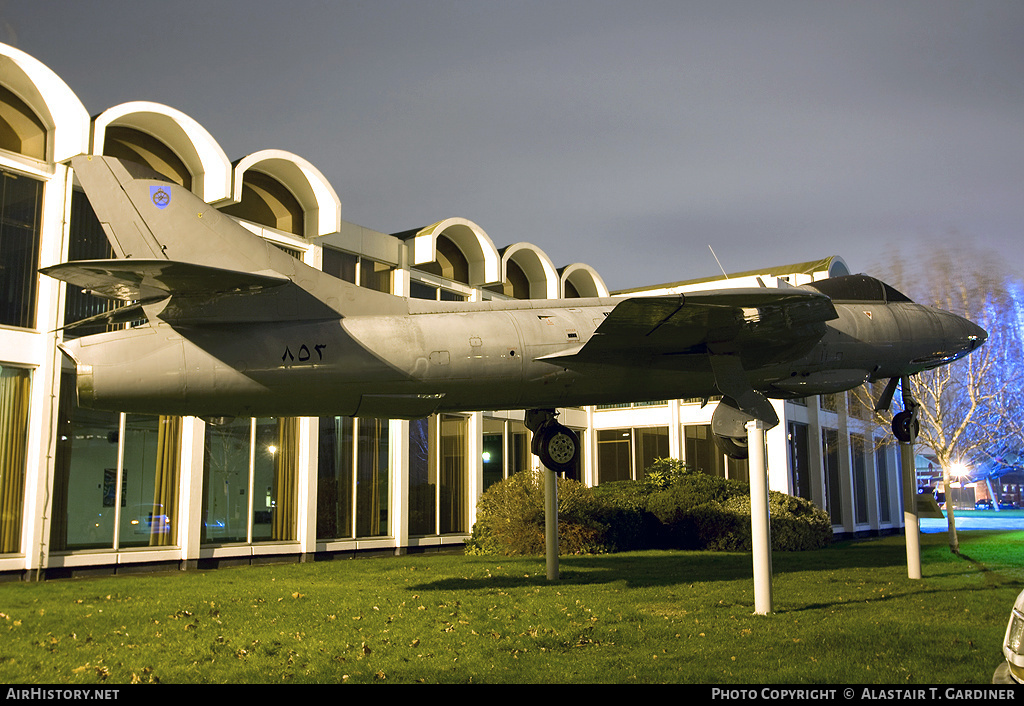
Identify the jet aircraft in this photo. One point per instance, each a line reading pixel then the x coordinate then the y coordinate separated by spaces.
pixel 237 327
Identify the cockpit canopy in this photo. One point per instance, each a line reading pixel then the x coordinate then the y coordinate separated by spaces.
pixel 858 288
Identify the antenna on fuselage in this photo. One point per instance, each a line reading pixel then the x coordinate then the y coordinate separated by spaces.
pixel 718 261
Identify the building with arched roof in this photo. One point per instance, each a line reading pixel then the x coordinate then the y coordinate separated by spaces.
pixel 291 194
pixel 527 273
pixel 167 141
pixel 85 490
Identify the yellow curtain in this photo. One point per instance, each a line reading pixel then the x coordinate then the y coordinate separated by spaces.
pixel 286 479
pixel 14 400
pixel 454 473
pixel 165 483
pixel 375 510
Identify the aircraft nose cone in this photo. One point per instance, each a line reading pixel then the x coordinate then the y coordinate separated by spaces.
pixel 965 334
pixel 976 335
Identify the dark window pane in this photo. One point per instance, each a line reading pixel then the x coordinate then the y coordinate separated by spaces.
pixel 20 206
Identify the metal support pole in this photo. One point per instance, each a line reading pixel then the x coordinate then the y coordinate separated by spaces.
pixel 911 519
pixel 551 521
pixel 759 519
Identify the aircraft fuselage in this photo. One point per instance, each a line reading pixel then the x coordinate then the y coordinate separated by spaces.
pixel 457 356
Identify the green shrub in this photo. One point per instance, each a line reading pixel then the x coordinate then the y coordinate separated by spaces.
pixel 671 508
pixel 666 472
pixel 698 511
pixel 510 518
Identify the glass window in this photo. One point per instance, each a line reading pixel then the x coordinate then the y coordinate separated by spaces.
pixel 651 444
pixel 340 264
pixel 373 472
pixel 419 290
pixel 20 210
pixel 613 455
pixel 250 480
pixel 519 454
pixel 446 295
pixel 454 495
pixel 439 475
pixel 799 460
pixel 624 454
pixel 226 482
pixel 376 275
pixel 85 476
pixel 830 402
pixel 493 451
pixel 275 479
pixel 100 503
pixel 859 451
pixel 149 487
pixel 701 452
pixel 422 477
pixel 833 486
pixel 15 385
pixel 882 474
pixel 334 510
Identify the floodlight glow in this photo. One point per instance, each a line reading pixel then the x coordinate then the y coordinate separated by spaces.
pixel 959 469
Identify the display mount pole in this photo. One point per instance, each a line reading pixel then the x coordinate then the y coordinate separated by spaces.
pixel 759 517
pixel 551 521
pixel 911 518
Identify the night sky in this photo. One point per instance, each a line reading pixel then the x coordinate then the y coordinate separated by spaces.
pixel 626 135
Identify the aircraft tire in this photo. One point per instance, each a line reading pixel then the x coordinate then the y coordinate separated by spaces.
pixel 557 447
pixel 901 426
pixel 733 448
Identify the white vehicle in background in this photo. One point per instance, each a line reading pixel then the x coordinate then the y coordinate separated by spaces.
pixel 1011 671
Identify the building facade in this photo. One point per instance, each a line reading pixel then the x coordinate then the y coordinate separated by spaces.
pixel 84 490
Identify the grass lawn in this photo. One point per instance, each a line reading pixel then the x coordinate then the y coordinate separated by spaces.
pixel 846 614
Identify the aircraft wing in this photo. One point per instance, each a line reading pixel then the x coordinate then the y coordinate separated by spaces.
pixel 763 322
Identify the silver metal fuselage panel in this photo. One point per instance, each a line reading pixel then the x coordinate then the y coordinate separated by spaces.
pixel 466 357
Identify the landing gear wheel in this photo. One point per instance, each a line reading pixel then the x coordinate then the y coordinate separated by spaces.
pixel 732 447
pixel 557 446
pixel 901 426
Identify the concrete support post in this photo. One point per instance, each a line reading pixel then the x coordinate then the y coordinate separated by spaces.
pixel 911 520
pixel 551 521
pixel 759 517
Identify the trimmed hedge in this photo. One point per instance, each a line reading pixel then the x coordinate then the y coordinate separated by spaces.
pixel 670 508
pixel 510 518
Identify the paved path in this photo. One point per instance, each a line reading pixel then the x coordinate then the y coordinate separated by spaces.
pixel 971 523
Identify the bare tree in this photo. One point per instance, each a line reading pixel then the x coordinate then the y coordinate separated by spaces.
pixel 965 409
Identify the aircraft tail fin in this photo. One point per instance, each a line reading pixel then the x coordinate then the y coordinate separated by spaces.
pixel 173 245
pixel 149 218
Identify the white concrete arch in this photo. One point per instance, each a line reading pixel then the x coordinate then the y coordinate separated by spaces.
pixel 584 279
pixel 204 158
pixel 543 276
pixel 316 196
pixel 480 252
pixel 837 267
pixel 60 110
